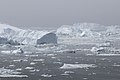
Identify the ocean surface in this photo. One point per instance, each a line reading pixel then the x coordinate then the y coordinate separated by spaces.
pixel 47 66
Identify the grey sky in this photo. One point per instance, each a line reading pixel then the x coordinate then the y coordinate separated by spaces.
pixel 51 14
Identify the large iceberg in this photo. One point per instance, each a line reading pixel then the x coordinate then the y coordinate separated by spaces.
pixel 81 30
pixel 87 33
pixel 10 34
pixel 87 30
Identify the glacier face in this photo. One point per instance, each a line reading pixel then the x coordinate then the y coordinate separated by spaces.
pixel 11 34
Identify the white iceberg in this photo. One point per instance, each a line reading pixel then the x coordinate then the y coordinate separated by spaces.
pixel 13 35
pixel 76 66
pixel 81 30
pixel 90 33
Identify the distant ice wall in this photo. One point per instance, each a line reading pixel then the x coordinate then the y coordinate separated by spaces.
pixel 11 35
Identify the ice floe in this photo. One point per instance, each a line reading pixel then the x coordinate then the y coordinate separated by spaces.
pixel 19 69
pixel 12 76
pixel 32 55
pixel 37 60
pixel 34 70
pixel 108 55
pixel 10 73
pixel 76 66
pixel 46 75
pixel 68 72
pixel 32 63
pixel 116 65
pixel 29 68
pixel 20 60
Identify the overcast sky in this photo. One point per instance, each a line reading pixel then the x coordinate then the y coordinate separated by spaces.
pixel 51 14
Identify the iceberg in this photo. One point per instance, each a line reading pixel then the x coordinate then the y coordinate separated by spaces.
pixel 13 35
pixel 87 30
pixel 90 33
pixel 77 66
pixel 81 30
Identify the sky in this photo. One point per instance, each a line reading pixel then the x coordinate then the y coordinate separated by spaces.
pixel 51 14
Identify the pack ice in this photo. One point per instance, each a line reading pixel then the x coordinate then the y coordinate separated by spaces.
pixel 13 35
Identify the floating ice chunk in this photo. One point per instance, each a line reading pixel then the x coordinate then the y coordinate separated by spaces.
pixel 76 62
pixel 8 76
pixel 32 63
pixel 35 70
pixel 31 55
pixel 53 57
pixel 94 73
pixel 65 74
pixel 85 78
pixel 6 52
pixel 20 60
pixel 38 60
pixel 106 44
pixel 10 73
pixel 76 66
pixel 11 65
pixel 18 51
pixel 19 69
pixel 32 70
pixel 28 68
pixel 96 49
pixel 57 62
pixel 108 54
pixel 116 65
pixel 68 72
pixel 46 75
pixel 50 55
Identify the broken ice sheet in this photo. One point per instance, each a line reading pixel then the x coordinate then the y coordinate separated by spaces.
pixel 8 76
pixel 76 66
pixel 115 65
pixel 68 72
pixel 29 68
pixel 10 73
pixel 46 75
pixel 38 60
pixel 20 60
pixel 19 69
pixel 32 63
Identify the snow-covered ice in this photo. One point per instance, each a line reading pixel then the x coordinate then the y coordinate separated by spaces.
pixel 115 65
pixel 29 68
pixel 37 60
pixel 10 73
pixel 13 35
pixel 32 63
pixel 76 66
pixel 13 76
pixel 46 75
pixel 68 72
